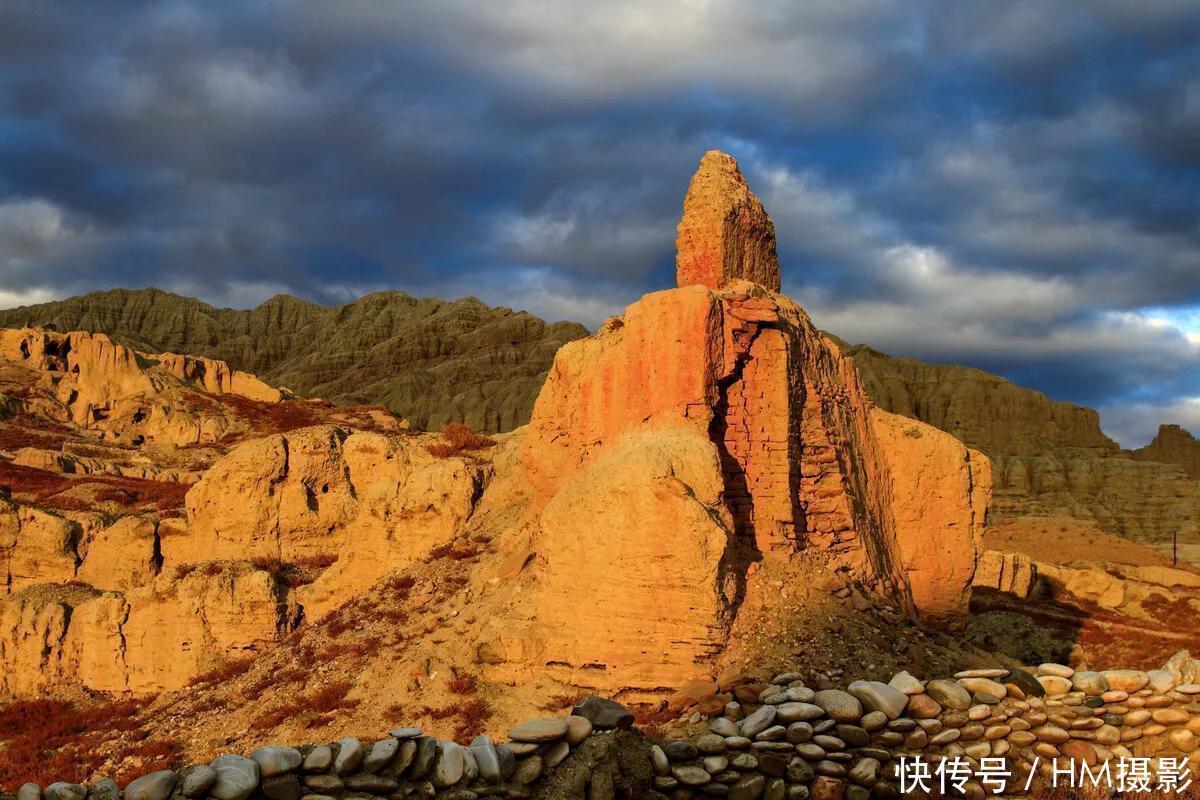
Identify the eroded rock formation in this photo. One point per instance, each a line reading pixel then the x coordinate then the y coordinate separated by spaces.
pixel 715 436
pixel 364 502
pixel 687 469
pixel 129 398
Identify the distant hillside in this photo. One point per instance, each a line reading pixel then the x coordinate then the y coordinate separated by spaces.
pixel 429 360
pixel 1051 459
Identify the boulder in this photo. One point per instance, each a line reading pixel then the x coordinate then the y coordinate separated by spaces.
pixel 236 778
pixel 603 713
pixel 948 694
pixel 154 786
pixel 877 696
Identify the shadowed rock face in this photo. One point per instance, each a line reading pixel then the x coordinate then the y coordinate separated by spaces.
pixel 725 234
pixel 430 361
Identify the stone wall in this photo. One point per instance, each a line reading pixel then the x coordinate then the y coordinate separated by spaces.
pixel 778 740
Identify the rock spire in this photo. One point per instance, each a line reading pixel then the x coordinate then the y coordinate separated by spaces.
pixel 725 233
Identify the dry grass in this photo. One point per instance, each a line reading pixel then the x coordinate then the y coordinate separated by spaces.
pixel 281 417
pixel 470 717
pixel 458 438
pixel 560 702
pixel 652 718
pixel 310 707
pixel 297 572
pixel 225 671
pixel 463 684
pixel 47 741
pixel 208 569
pixel 44 488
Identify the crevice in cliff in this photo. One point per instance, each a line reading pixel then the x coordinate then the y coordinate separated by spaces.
pixel 742 550
pixel 156 555
pixel 736 492
pixel 123 644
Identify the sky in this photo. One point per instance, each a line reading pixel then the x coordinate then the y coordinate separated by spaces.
pixel 1014 186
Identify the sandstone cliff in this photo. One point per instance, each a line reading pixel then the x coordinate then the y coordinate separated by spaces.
pixel 429 361
pixel 1050 459
pixel 1173 445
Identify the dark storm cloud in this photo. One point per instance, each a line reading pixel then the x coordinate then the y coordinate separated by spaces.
pixel 1012 185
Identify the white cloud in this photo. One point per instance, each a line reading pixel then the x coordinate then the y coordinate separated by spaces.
pixel 1133 425
pixel 11 298
pixel 35 233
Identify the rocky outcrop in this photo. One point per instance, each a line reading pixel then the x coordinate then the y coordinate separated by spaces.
pixel 217 377
pixel 430 361
pixel 1050 459
pixel 369 502
pixel 939 494
pixel 1012 573
pixel 121 463
pixel 724 234
pixel 715 434
pixel 698 459
pixel 129 398
pixel 123 555
pixel 35 547
pixel 146 640
pixel 1173 445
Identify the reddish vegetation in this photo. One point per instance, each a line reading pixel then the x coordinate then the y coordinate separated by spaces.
pixel 47 741
pixel 225 671
pixel 130 493
pixel 281 417
pixel 652 718
pixel 312 706
pixel 560 702
pixel 463 684
pixel 289 415
pixel 470 717
pixel 32 432
pixel 459 437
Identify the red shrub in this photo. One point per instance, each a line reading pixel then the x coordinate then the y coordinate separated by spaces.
pixel 225 671
pixel 459 437
pixel 463 684
pixel 46 741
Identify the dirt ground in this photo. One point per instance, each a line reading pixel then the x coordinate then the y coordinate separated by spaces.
pixel 1059 540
